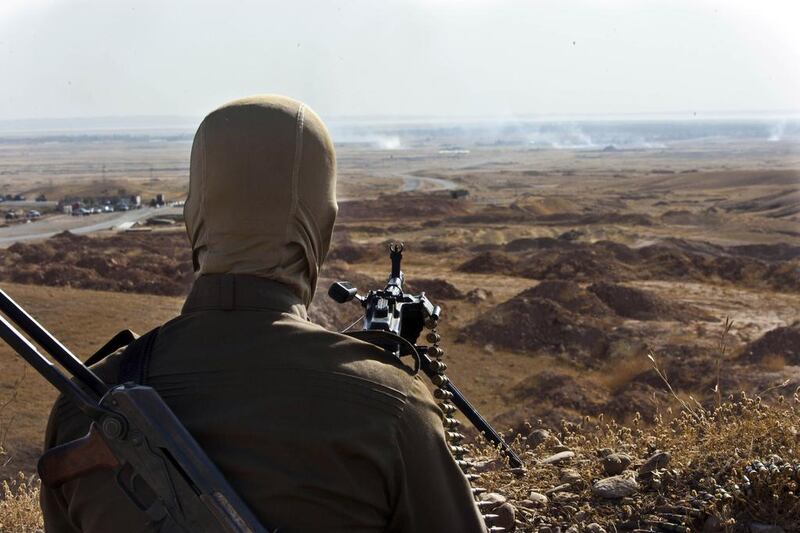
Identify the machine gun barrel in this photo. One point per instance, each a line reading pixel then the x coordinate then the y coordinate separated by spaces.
pixel 474 416
pixel 136 433
pixel 394 321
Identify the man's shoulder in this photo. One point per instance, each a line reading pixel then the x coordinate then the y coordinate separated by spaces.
pixel 349 355
pixel 281 344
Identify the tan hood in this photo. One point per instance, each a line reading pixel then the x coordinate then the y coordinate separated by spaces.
pixel 262 192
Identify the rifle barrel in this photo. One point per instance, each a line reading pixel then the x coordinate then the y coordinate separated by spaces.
pixel 43 365
pixel 51 345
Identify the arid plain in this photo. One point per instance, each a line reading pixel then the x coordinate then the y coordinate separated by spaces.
pixel 563 273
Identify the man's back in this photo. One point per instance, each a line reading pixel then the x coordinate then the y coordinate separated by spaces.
pixel 315 430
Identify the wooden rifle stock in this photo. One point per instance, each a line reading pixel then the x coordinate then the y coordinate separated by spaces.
pixel 75 459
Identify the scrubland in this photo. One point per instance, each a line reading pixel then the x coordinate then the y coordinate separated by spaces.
pixel 631 319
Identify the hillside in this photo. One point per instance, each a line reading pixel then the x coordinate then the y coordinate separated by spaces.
pixel 559 273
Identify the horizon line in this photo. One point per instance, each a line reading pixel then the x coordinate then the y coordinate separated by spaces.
pixel 785 113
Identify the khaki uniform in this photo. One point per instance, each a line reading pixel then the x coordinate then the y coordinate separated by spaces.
pixel 315 430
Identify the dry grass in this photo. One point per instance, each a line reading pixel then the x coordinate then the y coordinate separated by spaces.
pixel 19 497
pixel 704 481
pixel 19 506
pixel 712 455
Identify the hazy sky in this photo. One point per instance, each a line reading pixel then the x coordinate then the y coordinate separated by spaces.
pixel 78 58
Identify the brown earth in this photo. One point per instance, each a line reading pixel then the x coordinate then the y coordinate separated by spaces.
pixel 558 274
pixel 780 344
pixel 530 324
pixel 630 302
pixel 155 263
pixel 548 258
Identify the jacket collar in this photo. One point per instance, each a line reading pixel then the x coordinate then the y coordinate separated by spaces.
pixel 228 292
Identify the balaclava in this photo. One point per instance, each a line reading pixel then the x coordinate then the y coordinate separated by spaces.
pixel 262 192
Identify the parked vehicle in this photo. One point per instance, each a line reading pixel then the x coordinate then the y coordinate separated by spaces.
pixel 33 213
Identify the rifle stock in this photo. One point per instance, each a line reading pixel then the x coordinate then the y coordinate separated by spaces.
pixel 76 459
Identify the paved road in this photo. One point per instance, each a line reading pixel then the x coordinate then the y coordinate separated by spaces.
pixel 52 225
pixel 49 226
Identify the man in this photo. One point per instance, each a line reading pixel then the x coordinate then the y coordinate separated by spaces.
pixel 316 431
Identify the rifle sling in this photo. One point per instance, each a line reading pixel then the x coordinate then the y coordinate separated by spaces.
pixel 120 340
pixel 135 359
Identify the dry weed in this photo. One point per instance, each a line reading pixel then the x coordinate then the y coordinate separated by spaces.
pixel 728 467
pixel 19 506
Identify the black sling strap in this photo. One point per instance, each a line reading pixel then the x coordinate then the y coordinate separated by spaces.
pixel 135 359
pixel 120 340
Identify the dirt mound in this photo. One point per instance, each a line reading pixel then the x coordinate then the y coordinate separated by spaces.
pixel 490 262
pixel 575 265
pixel 768 252
pixel 571 296
pixel 541 205
pixel 639 398
pixel 344 249
pixel 159 263
pixel 435 289
pixel 785 276
pixel 545 258
pixel 561 389
pixel 551 396
pixel 630 302
pixel 682 217
pixel 783 343
pixel 539 243
pixel 529 325
pixel 623 219
pixel 784 204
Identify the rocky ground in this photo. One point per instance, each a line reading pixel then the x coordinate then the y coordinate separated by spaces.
pixel 598 311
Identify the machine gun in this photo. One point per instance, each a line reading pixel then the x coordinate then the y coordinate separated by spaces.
pixel 158 464
pixel 394 320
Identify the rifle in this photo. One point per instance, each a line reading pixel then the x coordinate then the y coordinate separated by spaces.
pixel 394 321
pixel 158 464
